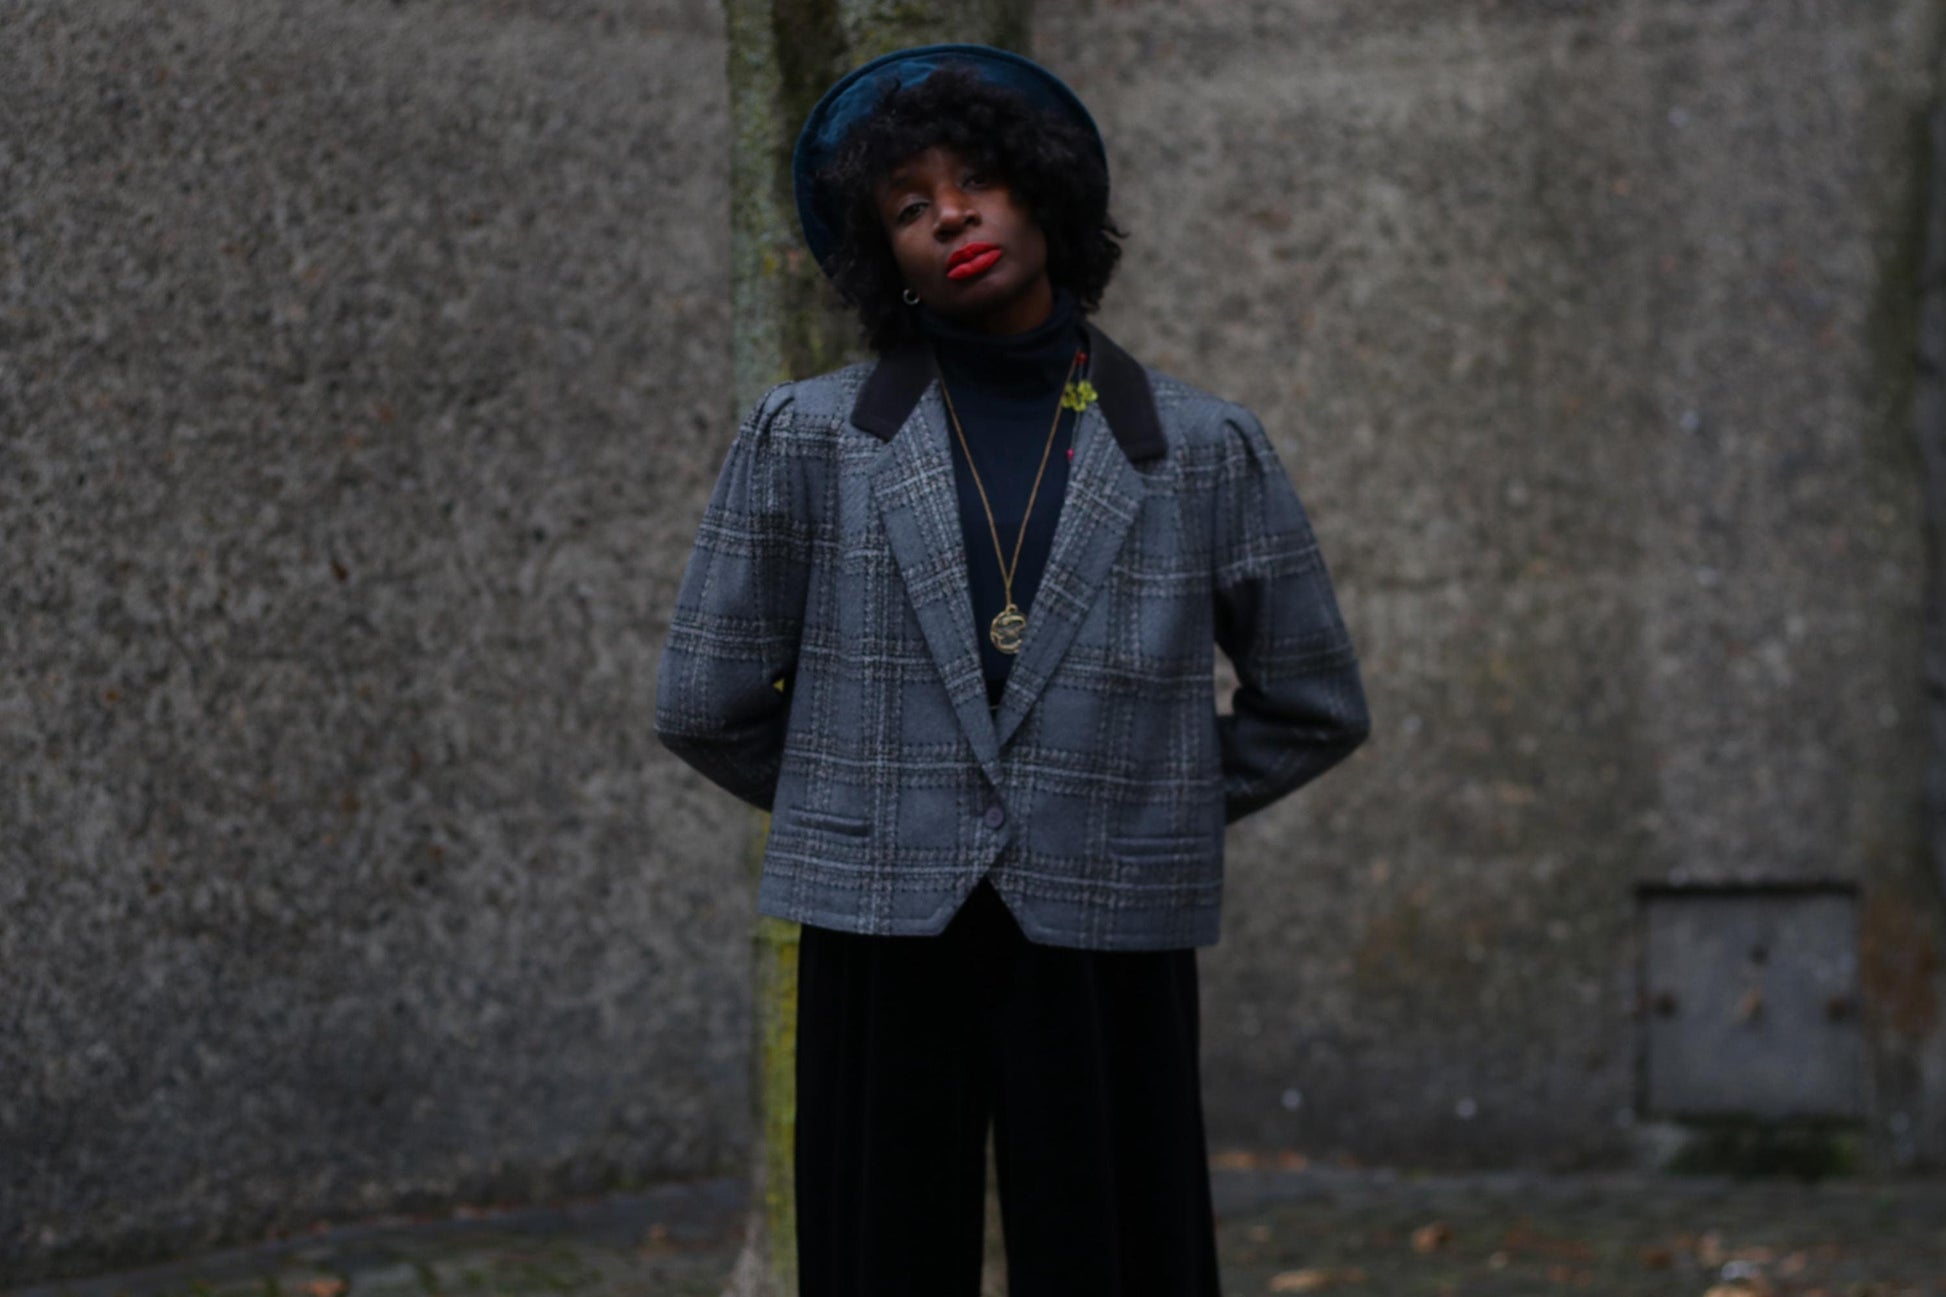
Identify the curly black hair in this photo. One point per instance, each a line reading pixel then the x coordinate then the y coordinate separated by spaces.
pixel 1047 160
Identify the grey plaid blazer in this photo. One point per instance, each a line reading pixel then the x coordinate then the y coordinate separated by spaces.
pixel 830 559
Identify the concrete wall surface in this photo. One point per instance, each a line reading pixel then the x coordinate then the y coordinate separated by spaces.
pixel 362 366
pixel 1586 331
pixel 363 371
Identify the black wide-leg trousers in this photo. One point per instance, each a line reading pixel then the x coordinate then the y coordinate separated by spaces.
pixel 1085 1060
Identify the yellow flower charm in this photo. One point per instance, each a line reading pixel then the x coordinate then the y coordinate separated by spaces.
pixel 1078 396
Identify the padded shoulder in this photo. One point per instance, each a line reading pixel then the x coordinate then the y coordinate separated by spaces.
pixel 1195 419
pixel 827 398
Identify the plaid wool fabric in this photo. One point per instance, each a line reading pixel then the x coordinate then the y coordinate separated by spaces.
pixel 830 558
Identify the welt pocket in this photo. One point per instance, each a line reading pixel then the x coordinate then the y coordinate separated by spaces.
pixel 825 822
pixel 1133 848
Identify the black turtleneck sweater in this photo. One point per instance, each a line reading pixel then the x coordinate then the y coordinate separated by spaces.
pixel 1006 389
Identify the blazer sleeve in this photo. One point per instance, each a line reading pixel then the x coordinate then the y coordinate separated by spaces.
pixel 1299 706
pixel 721 702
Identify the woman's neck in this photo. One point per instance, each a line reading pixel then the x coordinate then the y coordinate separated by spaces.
pixel 1022 364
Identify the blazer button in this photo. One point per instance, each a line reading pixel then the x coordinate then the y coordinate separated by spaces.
pixel 995 817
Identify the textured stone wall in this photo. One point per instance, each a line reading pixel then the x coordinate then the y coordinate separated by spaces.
pixel 1586 332
pixel 363 369
pixel 362 366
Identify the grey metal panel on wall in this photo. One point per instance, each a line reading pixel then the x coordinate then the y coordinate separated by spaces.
pixel 1751 996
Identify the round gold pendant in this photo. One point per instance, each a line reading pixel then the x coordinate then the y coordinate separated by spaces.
pixel 1007 629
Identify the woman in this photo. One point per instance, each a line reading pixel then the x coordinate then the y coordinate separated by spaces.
pixel 952 615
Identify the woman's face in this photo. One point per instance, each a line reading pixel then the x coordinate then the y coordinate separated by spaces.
pixel 964 245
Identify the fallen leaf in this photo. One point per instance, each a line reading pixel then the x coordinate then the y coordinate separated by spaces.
pixel 1430 1238
pixel 1314 1278
pixel 1748 1274
pixel 324 1287
pixel 656 1242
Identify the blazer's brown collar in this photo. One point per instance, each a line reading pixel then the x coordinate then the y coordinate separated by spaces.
pixel 901 376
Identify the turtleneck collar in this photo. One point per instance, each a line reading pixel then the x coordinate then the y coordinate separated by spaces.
pixel 1011 363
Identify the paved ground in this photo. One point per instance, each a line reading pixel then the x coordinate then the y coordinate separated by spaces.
pixel 1282 1228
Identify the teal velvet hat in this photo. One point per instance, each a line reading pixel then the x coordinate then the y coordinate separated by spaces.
pixel 857 94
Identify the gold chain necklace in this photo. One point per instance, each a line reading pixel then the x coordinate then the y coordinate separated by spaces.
pixel 1010 626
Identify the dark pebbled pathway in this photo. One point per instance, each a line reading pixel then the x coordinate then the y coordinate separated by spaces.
pixel 1280 1229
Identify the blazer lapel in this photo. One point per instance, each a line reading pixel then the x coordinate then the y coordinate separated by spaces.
pixel 918 503
pixel 1103 498
pixel 1104 495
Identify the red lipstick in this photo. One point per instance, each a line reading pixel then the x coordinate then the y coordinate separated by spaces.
pixel 972 260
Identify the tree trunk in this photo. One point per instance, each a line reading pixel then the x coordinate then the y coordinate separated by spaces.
pixel 787 323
